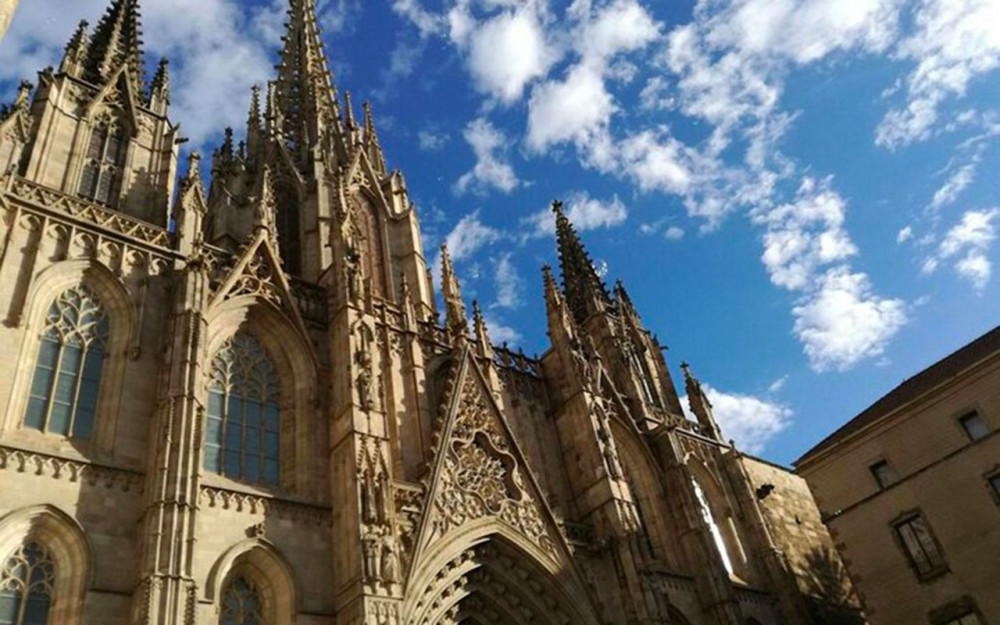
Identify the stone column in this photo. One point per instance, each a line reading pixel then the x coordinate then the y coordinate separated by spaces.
pixel 7 8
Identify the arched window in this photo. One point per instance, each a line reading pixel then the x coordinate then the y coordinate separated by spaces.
pixel 706 512
pixel 241 430
pixel 102 171
pixel 67 377
pixel 26 586
pixel 241 604
pixel 289 234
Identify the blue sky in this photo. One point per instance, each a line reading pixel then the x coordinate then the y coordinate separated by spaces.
pixel 797 193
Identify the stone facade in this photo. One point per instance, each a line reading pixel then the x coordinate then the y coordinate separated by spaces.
pixel 257 414
pixel 7 8
pixel 921 463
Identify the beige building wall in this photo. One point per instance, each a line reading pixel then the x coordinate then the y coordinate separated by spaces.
pixel 941 473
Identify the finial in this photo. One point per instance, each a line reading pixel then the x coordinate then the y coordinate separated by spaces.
pixel 455 316
pixel 194 165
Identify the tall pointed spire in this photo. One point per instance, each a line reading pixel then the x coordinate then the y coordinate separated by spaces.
pixel 372 145
pixel 76 51
pixel 117 41
pixel 254 128
pixel 304 91
pixel 483 343
pixel 456 320
pixel 585 292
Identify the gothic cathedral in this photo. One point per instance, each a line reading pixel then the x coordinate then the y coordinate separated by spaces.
pixel 235 401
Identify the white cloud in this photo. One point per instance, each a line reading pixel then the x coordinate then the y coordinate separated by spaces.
pixel 805 234
pixel 507 52
pixel 842 321
pixel 501 333
pixel 585 212
pixel 577 109
pixel 657 163
pixel 508 283
pixel 491 170
pixel 431 141
pixel 778 385
pixel 674 233
pixel 954 42
pixel 656 95
pixel 973 236
pixel 953 187
pixel 468 236
pixel 426 22
pixel 750 421
pixel 217 52
pixel 905 234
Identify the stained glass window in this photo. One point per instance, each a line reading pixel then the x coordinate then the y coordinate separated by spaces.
pixel 67 376
pixel 26 586
pixel 241 604
pixel 102 171
pixel 242 416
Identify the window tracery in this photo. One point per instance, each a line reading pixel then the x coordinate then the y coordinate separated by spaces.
pixel 241 604
pixel 26 586
pixel 67 375
pixel 103 169
pixel 370 249
pixel 243 414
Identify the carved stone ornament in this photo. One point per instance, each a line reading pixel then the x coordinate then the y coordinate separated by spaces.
pixel 481 475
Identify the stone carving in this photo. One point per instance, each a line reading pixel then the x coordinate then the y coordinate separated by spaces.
pixel 119 223
pixel 378 541
pixel 73 471
pixel 481 476
pixel 364 382
pixel 224 499
pixel 258 279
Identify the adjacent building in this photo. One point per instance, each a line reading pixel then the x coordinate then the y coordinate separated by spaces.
pixel 910 490
pixel 235 401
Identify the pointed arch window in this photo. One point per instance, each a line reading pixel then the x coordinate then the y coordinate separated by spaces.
pixel 241 604
pixel 103 169
pixel 370 245
pixel 706 513
pixel 26 586
pixel 243 414
pixel 67 376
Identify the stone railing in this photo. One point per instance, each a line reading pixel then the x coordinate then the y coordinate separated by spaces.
pixel 52 200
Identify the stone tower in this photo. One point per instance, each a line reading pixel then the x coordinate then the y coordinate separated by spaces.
pixel 233 400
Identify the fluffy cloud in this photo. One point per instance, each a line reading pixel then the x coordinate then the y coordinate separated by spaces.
pixel 953 187
pixel 508 283
pixel 585 212
pixel 969 239
pixel 804 235
pixel 954 41
pixel 748 420
pixel 656 162
pixel 577 109
pixel 217 52
pixel 491 170
pixel 842 321
pixel 469 236
pixel 431 141
pixel 506 52
pixel 501 333
pixel 673 233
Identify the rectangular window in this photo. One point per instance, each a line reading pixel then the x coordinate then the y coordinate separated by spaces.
pixel 921 549
pixel 884 474
pixel 974 426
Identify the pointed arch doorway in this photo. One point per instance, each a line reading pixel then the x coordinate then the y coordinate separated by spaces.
pixel 495 582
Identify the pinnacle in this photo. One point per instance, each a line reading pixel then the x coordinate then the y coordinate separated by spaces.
pixel 584 289
pixel 117 41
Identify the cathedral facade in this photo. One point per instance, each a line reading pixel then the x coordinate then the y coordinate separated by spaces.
pixel 236 401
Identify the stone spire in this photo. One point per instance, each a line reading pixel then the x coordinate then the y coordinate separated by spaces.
pixel 159 89
pixel 116 42
pixel 456 320
pixel 700 406
pixel 75 56
pixel 483 343
pixel 372 146
pixel 254 128
pixel 585 292
pixel 304 94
